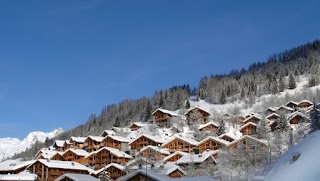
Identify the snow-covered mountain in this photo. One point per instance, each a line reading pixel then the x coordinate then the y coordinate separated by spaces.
pixel 11 146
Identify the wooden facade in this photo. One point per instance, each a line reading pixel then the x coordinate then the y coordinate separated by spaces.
pixel 304 104
pixel 117 142
pixel 249 129
pixel 162 117
pixel 105 156
pixel 113 171
pixel 195 114
pixel 209 127
pixel 253 119
pixel 74 155
pixel 211 143
pixel 284 110
pixel 59 145
pixel 177 173
pixel 174 156
pixel 145 140
pixel 249 143
pixel 57 156
pixel 180 144
pixel 292 104
pixel 296 119
pixel 93 143
pixel 273 117
pixel 46 172
pixel 226 138
pixel 154 152
pixel 77 142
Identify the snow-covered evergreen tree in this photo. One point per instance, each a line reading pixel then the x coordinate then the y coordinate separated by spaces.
pixel 292 82
pixel 315 119
pixel 222 128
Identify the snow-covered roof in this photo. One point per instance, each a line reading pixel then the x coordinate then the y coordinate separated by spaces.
pixel 285 107
pixel 306 101
pixel 155 148
pixel 49 155
pixel 95 138
pixel 25 176
pixel 63 164
pixel 226 134
pixel 187 140
pixel 294 114
pixel 273 109
pixel 76 177
pixel 153 138
pixel 166 112
pixel 197 107
pixel 78 139
pixel 174 154
pixel 59 143
pixel 119 138
pixel 208 124
pixel 249 123
pixel 79 152
pixel 252 116
pixel 120 167
pixel 108 132
pixel 292 102
pixel 273 114
pixel 222 141
pixel 122 130
pixel 113 151
pixel 139 124
pixel 246 137
pixel 171 167
pixel 12 165
pixel 197 158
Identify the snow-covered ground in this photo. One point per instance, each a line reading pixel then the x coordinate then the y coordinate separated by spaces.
pixel 300 162
pixel 11 146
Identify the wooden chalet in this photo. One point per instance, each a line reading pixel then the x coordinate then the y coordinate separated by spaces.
pixel 226 137
pixel 57 156
pixel 304 104
pixel 77 142
pixel 136 125
pixel 196 113
pixel 108 133
pixel 59 145
pixel 212 143
pixel 54 155
pixel 161 117
pixel 106 155
pixel 75 155
pixel 14 166
pixel 117 142
pixel 154 152
pixel 249 129
pixel 249 143
pixel 67 144
pixel 273 117
pixel 173 171
pixel 199 160
pixel 253 119
pixel 273 125
pixel 144 140
pixel 297 117
pixel 175 156
pixel 112 170
pixel 284 110
pixel 93 143
pixel 292 104
pixel 76 177
pixel 209 127
pixel 178 143
pixel 52 169
pixel 270 110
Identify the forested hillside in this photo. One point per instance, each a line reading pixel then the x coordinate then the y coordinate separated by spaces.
pixel 259 79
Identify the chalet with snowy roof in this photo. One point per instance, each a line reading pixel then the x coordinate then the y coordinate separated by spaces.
pixel 199 160
pixel 195 114
pixel 59 145
pixel 76 155
pixel 270 110
pixel 297 117
pixel 174 171
pixel 77 142
pixel 284 110
pixel 106 155
pixel 136 125
pixel 93 143
pixel 52 169
pixel 162 117
pixel 76 177
pixel 212 143
pixel 249 142
pixel 249 129
pixel 178 143
pixel 292 104
pixel 14 166
pixel 144 140
pixel 253 119
pixel 154 152
pixel 226 137
pixel 22 176
pixel 67 144
pixel 57 156
pixel 112 170
pixel 117 142
pixel 175 156
pixel 53 155
pixel 304 104
pixel 209 127
pixel 108 133
pixel 273 117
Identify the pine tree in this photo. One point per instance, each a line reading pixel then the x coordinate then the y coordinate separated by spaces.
pixel 263 129
pixel 148 111
pixel 222 128
pixel 187 104
pixel 282 123
pixel 281 84
pixel 223 97
pixel 315 119
pixel 161 101
pixel 312 81
pixel 292 82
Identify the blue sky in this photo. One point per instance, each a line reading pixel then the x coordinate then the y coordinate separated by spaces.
pixel 60 61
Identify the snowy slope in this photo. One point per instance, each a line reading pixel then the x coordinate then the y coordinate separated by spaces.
pixel 10 146
pixel 306 167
